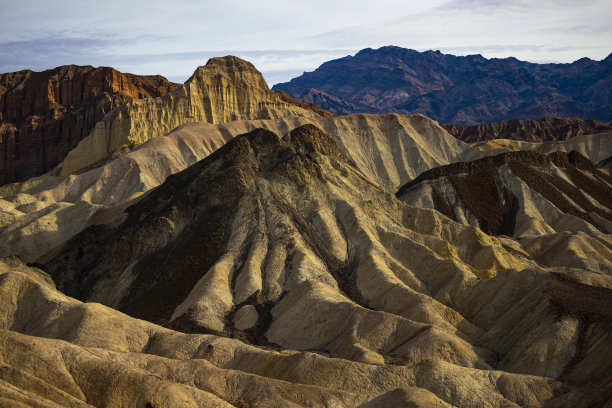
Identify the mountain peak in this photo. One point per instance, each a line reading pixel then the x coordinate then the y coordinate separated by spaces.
pixel 230 62
pixel 231 67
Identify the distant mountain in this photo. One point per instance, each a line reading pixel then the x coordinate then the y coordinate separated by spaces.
pixel 541 130
pixel 461 90
pixel 45 114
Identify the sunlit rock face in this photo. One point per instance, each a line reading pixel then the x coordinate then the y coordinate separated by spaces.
pixel 223 90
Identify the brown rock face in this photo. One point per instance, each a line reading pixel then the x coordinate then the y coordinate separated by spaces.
pixel 45 114
pixel 541 130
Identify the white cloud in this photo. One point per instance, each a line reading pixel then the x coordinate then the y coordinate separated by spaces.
pixel 164 37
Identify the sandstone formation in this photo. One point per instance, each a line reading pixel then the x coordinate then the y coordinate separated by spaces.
pixel 43 115
pixel 541 130
pixel 461 90
pixel 223 90
pixel 356 294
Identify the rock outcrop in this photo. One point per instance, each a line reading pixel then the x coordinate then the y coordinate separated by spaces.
pixel 223 90
pixel 461 90
pixel 536 131
pixel 43 115
pixel 330 263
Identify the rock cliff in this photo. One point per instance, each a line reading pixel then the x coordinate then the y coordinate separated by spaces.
pixel 43 115
pixel 223 90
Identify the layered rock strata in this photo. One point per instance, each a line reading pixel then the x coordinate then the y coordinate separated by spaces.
pixel 43 115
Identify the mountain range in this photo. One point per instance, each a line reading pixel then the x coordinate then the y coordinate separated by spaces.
pixel 458 90
pixel 225 245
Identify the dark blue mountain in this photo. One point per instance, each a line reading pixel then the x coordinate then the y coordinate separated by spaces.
pixel 461 90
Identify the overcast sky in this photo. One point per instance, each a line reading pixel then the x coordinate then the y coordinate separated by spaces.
pixel 284 38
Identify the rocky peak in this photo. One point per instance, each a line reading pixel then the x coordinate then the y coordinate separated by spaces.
pixel 232 68
pixel 306 157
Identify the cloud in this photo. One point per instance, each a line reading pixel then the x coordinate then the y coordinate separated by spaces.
pixel 282 37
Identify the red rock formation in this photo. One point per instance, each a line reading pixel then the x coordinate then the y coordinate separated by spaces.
pixel 541 130
pixel 45 114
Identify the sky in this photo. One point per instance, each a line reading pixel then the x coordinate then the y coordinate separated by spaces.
pixel 285 38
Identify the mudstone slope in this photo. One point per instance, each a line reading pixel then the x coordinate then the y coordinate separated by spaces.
pixel 390 150
pixel 458 90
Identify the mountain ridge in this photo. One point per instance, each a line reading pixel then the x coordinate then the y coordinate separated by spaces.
pixel 454 89
pixel 225 245
pixel 225 89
